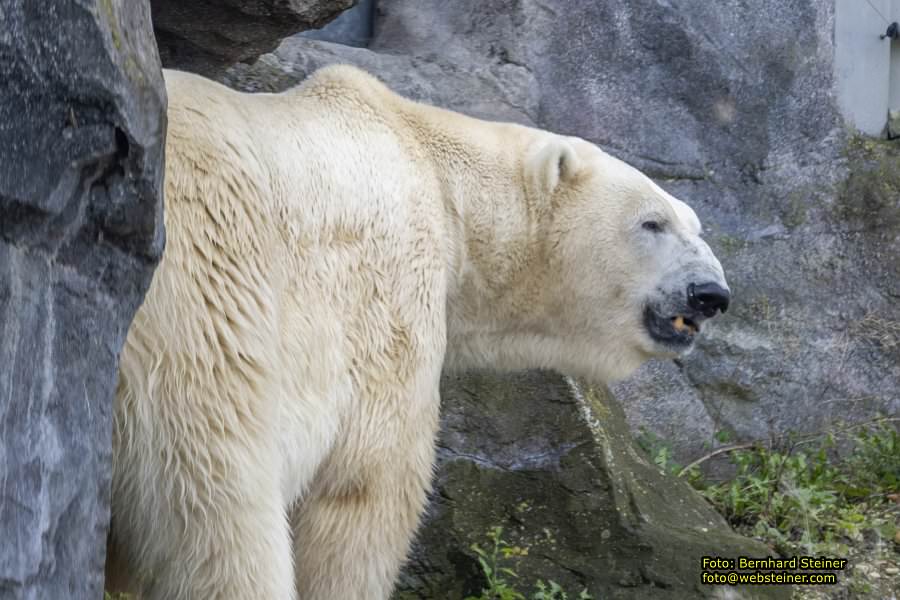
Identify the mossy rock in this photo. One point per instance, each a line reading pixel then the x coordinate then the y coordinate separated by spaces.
pixel 554 464
pixel 870 197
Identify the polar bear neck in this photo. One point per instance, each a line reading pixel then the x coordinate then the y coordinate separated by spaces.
pixel 501 312
pixel 493 260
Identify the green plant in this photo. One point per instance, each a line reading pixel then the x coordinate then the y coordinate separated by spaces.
pixel 498 587
pixel 661 454
pixel 494 561
pixel 553 591
pixel 805 495
pixel 876 459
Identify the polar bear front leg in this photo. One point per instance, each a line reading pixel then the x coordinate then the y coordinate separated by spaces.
pixel 352 545
pixel 353 530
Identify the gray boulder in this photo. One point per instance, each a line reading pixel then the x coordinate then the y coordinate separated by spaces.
pixel 678 88
pixel 205 36
pixel 552 462
pixel 82 122
pixel 353 27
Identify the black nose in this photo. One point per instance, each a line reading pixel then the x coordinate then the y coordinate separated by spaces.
pixel 708 298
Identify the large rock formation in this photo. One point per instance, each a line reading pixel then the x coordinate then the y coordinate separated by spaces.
pixel 81 131
pixel 729 106
pixel 205 36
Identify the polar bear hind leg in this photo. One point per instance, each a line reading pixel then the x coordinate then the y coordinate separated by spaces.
pixel 206 499
pixel 197 495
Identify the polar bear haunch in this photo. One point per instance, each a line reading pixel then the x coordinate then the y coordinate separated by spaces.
pixel 330 250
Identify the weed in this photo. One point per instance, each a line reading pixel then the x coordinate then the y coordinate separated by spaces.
pixel 804 495
pixel 885 332
pixel 661 455
pixel 494 563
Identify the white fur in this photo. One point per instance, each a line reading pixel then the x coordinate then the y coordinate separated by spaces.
pixel 329 250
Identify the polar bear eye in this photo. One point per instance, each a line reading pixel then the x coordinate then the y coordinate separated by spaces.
pixel 654 226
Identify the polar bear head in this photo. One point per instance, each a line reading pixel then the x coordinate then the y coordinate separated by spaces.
pixel 628 276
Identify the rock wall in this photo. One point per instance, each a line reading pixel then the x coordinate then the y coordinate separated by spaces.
pixel 730 106
pixel 82 122
pixel 206 36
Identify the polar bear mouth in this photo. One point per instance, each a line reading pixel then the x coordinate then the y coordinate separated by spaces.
pixel 678 329
pixel 683 324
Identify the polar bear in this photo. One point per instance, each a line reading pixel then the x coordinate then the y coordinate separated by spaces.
pixel 330 250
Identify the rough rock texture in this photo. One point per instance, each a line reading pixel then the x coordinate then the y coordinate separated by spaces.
pixel 557 470
pixel 351 28
pixel 475 89
pixel 205 36
pixel 82 120
pixel 729 106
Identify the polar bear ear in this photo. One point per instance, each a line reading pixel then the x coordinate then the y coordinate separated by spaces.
pixel 551 164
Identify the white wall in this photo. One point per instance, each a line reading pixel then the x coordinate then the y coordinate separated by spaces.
pixel 868 84
pixel 894 97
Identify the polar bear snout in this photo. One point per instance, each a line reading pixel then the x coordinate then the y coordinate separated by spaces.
pixel 708 298
pixel 673 320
